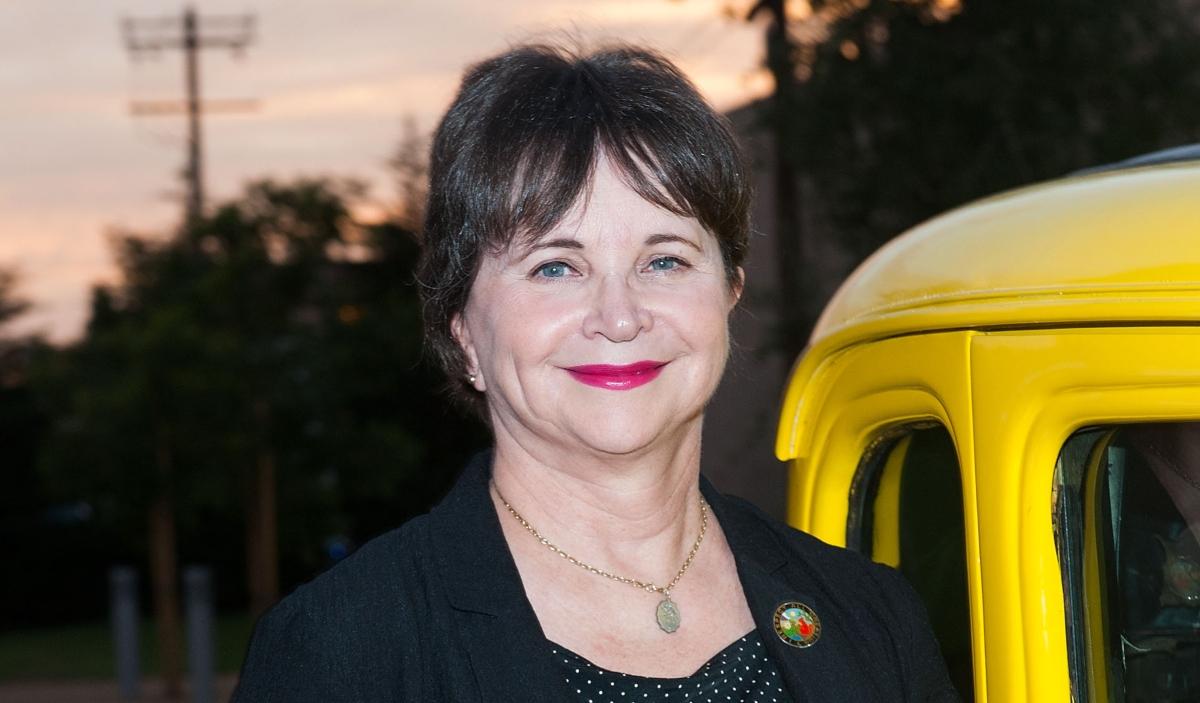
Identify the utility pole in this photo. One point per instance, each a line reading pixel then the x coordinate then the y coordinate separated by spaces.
pixel 189 33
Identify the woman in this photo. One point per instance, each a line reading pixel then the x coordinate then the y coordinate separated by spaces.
pixel 586 224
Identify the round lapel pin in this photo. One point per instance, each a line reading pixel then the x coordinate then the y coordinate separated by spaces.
pixel 796 624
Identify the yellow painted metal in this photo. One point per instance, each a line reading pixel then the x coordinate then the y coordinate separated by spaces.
pixel 1013 322
pixel 1030 390
pixel 1076 244
pixel 1095 579
pixel 885 538
pixel 1120 247
pixel 866 394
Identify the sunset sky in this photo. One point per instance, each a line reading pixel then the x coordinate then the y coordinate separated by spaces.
pixel 333 80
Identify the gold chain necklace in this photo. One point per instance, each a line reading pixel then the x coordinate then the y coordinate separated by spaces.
pixel 667 614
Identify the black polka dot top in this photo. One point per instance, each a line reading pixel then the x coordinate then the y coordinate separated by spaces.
pixel 740 673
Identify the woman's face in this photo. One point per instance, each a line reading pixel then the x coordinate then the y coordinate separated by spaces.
pixel 609 333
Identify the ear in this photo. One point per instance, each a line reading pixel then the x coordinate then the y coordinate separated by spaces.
pixel 737 288
pixel 462 335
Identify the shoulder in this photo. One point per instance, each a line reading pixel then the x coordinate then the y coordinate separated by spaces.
pixel 377 625
pixel 794 545
pixel 388 569
pixel 882 617
pixel 834 574
pixel 356 617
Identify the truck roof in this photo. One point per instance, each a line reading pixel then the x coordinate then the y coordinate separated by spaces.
pixel 1114 246
pixel 1120 245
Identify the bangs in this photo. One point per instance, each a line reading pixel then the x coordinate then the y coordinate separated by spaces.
pixel 543 140
pixel 551 182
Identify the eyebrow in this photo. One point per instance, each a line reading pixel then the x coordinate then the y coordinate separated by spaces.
pixel 568 243
pixel 667 238
pixel 559 243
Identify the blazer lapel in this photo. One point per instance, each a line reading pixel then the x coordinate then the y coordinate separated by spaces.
pixel 505 643
pixel 769 579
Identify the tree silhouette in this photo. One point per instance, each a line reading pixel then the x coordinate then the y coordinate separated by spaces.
pixel 11 305
pixel 12 351
pixel 899 110
pixel 264 368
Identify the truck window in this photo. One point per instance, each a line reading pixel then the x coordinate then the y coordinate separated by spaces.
pixel 1127 528
pixel 907 511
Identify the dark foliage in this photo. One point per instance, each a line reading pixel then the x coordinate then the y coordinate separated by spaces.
pixel 906 109
pixel 279 327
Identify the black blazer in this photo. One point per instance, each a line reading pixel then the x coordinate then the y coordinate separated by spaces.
pixel 435 611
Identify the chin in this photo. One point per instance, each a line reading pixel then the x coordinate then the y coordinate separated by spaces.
pixel 622 433
pixel 617 446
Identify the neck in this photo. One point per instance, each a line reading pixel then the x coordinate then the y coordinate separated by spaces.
pixel 638 513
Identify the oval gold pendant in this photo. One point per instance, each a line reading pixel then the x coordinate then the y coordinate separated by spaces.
pixel 667 615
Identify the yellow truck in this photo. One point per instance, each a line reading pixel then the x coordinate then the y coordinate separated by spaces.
pixel 1004 403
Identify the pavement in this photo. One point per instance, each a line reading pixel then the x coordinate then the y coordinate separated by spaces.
pixel 100 692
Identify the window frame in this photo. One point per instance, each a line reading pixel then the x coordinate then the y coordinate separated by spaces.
pixel 862 395
pixel 1031 390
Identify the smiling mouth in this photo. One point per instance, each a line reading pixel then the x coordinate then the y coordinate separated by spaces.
pixel 617 378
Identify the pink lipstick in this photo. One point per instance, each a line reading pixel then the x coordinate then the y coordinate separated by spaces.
pixel 617 378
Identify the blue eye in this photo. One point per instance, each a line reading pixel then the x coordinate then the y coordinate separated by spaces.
pixel 665 263
pixel 553 269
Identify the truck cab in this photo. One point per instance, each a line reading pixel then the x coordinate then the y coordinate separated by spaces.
pixel 1004 404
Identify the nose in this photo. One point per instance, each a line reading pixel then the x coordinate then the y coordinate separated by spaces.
pixel 616 312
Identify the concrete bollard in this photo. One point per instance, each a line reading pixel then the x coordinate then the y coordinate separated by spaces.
pixel 198 599
pixel 122 582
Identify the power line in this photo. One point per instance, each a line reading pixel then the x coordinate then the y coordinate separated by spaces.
pixel 190 33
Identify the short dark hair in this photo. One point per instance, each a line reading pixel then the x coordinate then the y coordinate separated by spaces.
pixel 518 147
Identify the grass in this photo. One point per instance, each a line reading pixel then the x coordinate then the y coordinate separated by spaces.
pixel 85 651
